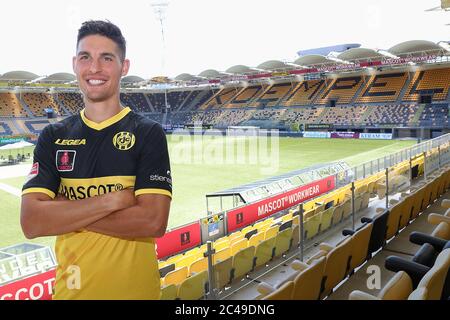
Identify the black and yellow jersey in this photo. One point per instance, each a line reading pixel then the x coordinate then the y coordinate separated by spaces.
pixel 79 159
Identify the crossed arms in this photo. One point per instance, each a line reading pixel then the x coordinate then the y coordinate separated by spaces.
pixel 117 214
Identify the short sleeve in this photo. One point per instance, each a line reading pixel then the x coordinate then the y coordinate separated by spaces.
pixel 153 168
pixel 43 176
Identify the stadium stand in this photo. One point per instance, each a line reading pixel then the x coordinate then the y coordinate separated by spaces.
pixel 384 87
pixel 73 102
pixel 37 102
pixel 398 114
pixel 10 106
pixel 341 90
pixel 304 93
pixel 434 83
pixel 136 101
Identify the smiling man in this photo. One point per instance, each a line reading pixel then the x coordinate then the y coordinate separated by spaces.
pixel 93 182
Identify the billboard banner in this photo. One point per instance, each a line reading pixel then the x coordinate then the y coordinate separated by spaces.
pixel 316 134
pixel 178 240
pixel 37 287
pixel 345 135
pixel 379 136
pixel 241 217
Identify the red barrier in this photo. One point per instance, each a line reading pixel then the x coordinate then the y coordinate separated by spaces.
pixel 37 287
pixel 178 240
pixel 239 218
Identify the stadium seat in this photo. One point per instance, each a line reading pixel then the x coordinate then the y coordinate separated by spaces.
pixel 198 265
pixel 239 245
pixel 193 288
pixel 337 263
pixel 327 218
pixel 223 272
pixel 256 239
pixel 222 255
pixel 169 292
pixel 434 283
pixel 283 242
pixel 338 212
pixel 264 251
pixel 307 280
pixel 176 276
pixel 312 226
pixel 360 246
pixel 243 262
pixel 282 293
pixel 271 232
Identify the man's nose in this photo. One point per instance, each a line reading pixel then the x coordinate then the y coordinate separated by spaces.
pixel 95 66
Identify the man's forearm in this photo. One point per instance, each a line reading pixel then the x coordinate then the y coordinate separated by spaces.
pixel 148 218
pixel 41 216
pixel 127 223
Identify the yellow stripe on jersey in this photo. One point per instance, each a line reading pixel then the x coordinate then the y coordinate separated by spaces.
pixel 82 188
pixel 107 122
pixel 149 191
pixel 50 193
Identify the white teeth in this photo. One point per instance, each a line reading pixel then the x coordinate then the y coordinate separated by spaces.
pixel 96 82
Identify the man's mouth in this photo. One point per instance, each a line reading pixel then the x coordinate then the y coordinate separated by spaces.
pixel 95 82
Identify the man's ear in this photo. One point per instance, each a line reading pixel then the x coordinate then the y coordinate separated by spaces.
pixel 125 67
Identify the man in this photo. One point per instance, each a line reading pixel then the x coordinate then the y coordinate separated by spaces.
pixel 110 167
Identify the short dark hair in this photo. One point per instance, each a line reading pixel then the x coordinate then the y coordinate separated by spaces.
pixel 106 29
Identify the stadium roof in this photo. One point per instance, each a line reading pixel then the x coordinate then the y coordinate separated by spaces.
pixel 131 79
pixel 211 73
pixel 239 68
pixel 416 47
pixel 275 65
pixel 360 54
pixel 60 76
pixel 19 75
pixel 186 77
pixel 314 59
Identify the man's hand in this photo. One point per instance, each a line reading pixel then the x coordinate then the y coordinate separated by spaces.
pixel 122 199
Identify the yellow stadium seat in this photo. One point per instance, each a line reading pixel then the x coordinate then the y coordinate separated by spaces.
pixel 256 239
pixel 312 226
pixel 336 267
pixel 169 292
pixel 222 255
pixel 283 241
pixel 239 245
pixel 271 232
pixel 360 246
pixel 198 265
pixel 243 261
pixel 282 293
pixel 221 244
pixel 222 272
pixel 338 211
pixel 193 288
pixel 264 251
pixel 326 219
pixel 175 276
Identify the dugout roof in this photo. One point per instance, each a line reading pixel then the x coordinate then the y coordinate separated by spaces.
pixel 259 189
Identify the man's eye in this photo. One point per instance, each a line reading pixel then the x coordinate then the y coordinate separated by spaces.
pixel 108 58
pixel 83 57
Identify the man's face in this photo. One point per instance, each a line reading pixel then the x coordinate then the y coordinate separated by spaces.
pixel 99 68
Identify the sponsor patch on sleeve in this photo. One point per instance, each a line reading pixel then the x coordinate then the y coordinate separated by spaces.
pixel 33 172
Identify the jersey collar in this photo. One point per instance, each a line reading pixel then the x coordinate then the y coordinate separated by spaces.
pixel 107 122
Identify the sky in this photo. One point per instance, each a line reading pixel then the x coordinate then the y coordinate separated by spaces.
pixel 40 35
